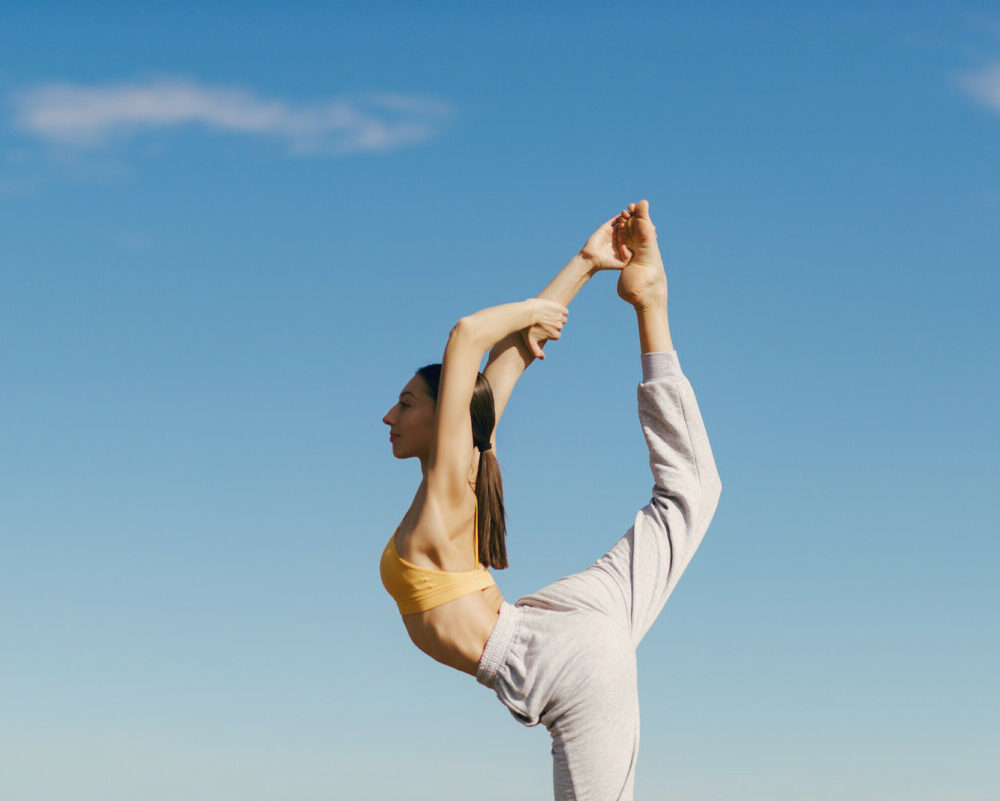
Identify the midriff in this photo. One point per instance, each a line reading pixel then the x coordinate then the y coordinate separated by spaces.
pixel 456 632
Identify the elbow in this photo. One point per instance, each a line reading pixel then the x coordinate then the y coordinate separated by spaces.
pixel 463 327
pixel 465 331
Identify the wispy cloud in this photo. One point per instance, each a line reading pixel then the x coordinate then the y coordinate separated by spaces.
pixel 983 85
pixel 92 116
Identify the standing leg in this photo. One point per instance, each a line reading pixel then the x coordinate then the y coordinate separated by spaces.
pixel 573 670
pixel 595 723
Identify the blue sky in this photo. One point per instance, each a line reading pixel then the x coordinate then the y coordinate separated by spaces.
pixel 228 235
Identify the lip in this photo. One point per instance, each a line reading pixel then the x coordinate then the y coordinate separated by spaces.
pixel 393 437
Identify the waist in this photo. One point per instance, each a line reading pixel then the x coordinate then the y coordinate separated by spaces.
pixel 455 633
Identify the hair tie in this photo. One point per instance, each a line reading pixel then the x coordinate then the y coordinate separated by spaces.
pixel 483 446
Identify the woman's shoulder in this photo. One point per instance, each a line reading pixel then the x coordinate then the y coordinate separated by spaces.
pixel 435 521
pixel 448 513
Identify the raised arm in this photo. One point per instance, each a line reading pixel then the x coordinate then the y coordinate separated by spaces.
pixel 511 356
pixel 451 451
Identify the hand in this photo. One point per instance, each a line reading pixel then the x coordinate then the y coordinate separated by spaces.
pixel 548 318
pixel 642 282
pixel 603 251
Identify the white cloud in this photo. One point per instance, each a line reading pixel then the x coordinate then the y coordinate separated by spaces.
pixel 90 116
pixel 983 85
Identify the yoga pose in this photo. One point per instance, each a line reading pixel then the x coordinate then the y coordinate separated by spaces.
pixel 565 655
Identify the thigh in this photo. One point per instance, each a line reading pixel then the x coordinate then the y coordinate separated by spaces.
pixel 595 739
pixel 646 564
pixel 630 584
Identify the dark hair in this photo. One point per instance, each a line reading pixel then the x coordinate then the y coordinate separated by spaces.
pixel 489 487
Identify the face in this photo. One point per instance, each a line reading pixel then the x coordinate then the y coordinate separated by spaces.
pixel 411 421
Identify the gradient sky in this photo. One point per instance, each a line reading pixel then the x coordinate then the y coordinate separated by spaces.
pixel 229 233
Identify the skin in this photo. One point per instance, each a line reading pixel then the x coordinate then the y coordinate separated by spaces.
pixel 437 530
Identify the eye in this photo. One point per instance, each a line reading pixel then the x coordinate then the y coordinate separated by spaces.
pixel 403 405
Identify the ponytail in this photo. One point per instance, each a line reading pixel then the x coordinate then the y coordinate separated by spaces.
pixel 489 487
pixel 492 517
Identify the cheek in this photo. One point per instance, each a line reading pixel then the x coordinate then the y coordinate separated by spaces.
pixel 424 427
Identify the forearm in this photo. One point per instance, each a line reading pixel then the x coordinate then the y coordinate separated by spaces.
pixel 570 280
pixel 488 326
pixel 562 289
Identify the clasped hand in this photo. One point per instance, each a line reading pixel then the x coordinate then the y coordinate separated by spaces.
pixel 627 243
pixel 548 318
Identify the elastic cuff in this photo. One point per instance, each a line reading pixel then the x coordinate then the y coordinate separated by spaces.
pixel 661 364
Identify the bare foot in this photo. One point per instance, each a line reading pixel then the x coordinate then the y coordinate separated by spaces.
pixel 643 282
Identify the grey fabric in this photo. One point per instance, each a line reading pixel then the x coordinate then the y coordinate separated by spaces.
pixel 565 655
pixel 660 364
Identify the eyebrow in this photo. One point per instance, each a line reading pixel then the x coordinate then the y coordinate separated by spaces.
pixel 406 392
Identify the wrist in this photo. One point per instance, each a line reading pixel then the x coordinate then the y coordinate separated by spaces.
pixel 529 313
pixel 585 264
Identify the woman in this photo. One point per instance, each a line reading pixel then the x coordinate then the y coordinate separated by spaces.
pixel 564 656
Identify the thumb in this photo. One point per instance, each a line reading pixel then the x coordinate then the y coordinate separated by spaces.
pixel 536 349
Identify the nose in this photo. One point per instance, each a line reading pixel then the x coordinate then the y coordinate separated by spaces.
pixel 386 419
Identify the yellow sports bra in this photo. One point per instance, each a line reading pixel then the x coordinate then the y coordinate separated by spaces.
pixel 417 589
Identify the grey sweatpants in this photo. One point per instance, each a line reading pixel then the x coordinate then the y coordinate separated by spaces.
pixel 565 655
